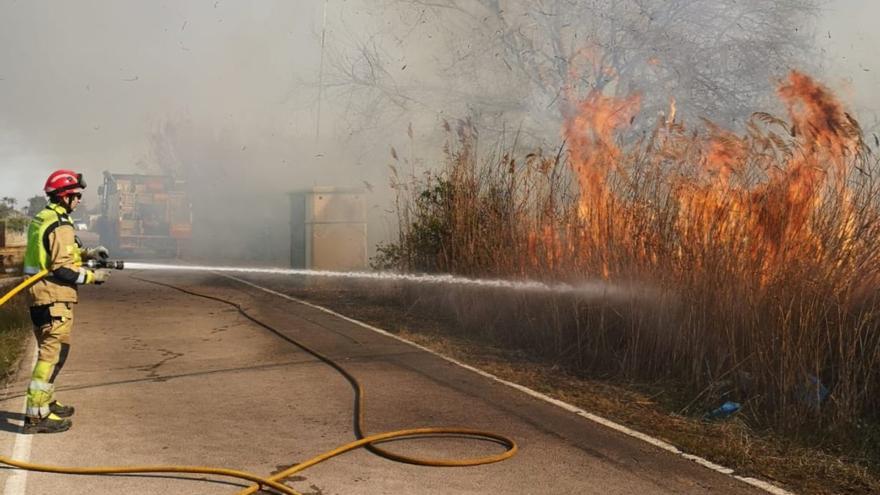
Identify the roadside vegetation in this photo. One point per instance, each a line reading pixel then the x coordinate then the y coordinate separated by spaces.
pixel 13 219
pixel 14 325
pixel 14 319
pixel 743 267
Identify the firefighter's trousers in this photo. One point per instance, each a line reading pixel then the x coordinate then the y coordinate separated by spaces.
pixel 52 326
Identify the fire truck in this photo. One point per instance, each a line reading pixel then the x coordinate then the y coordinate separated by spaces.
pixel 144 215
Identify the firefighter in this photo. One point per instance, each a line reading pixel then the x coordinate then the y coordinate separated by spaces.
pixel 53 245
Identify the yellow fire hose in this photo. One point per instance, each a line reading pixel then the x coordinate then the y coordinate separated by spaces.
pixel 274 482
pixel 22 286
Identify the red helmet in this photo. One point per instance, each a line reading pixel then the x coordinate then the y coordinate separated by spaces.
pixel 64 183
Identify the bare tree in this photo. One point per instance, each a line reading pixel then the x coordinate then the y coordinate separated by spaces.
pixel 528 60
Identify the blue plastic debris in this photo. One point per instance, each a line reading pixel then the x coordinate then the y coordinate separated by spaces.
pixel 725 410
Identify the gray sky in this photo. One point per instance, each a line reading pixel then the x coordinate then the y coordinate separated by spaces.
pixel 83 83
pixel 848 34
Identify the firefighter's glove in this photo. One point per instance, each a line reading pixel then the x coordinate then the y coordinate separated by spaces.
pixel 101 276
pixel 96 253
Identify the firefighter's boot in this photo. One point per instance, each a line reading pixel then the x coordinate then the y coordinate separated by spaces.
pixel 49 424
pixel 60 409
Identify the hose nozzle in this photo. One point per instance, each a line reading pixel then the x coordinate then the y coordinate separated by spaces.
pixel 109 264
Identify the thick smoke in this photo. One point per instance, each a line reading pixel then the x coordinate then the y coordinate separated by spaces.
pixel 224 94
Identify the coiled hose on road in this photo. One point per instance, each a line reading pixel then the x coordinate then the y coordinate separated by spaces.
pixel 274 482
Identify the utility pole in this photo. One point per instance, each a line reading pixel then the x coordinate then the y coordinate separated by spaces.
pixel 321 71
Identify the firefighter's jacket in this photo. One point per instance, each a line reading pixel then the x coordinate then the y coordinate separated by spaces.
pixel 53 245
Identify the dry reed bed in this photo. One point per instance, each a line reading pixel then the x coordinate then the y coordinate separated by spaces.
pixel 760 250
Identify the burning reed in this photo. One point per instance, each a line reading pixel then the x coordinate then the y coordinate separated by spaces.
pixel 766 244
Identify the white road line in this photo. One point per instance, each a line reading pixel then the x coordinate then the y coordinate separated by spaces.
pixel 16 483
pixel 760 484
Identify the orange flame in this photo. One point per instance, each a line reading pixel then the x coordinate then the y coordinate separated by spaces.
pixel 749 194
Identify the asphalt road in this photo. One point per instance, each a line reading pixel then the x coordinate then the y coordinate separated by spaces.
pixel 161 377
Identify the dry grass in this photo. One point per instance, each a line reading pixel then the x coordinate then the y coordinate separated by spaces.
pixel 760 253
pixel 14 325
